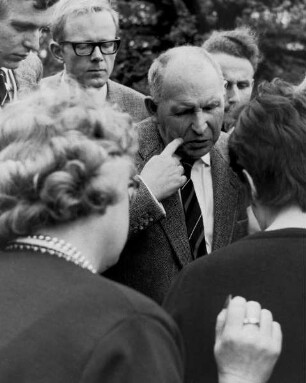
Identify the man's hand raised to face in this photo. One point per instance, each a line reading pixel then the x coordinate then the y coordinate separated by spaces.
pixel 163 174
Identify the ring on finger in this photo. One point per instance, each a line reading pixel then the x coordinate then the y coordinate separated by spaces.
pixel 251 320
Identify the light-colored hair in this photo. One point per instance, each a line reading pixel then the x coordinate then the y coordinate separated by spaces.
pixel 53 146
pixel 159 65
pixel 67 8
pixel 240 42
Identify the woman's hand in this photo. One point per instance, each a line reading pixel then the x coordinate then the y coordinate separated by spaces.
pixel 248 343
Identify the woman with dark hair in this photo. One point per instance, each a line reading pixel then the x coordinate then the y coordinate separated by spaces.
pixel 269 148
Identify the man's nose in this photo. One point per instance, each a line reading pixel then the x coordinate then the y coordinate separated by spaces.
pixel 97 55
pixel 200 122
pixel 31 40
pixel 232 95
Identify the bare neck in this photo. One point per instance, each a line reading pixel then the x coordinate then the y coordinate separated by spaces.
pixel 288 217
pixel 84 234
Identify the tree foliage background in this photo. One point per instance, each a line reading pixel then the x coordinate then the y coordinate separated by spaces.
pixel 149 27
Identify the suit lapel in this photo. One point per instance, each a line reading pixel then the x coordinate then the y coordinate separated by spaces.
pixel 175 228
pixel 225 188
pixel 150 144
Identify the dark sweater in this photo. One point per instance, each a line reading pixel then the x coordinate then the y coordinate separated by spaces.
pixel 268 267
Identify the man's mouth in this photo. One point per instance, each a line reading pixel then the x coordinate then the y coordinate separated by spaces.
pixel 197 142
pixel 19 57
pixel 97 70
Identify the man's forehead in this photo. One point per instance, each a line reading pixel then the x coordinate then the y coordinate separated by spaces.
pixel 188 81
pixel 84 18
pixel 234 68
pixel 25 10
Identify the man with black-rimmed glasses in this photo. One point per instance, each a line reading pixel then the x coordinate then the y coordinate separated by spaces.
pixel 85 40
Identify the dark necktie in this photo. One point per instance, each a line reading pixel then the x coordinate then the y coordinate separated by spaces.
pixel 3 91
pixel 193 215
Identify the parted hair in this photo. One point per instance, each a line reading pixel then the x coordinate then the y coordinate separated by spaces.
pixel 53 146
pixel 240 42
pixel 186 53
pixel 269 141
pixel 66 8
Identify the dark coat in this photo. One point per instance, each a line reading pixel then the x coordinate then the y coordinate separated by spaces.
pixel 60 323
pixel 268 267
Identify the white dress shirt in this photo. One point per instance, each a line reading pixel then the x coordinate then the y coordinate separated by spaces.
pixel 203 186
pixel 202 181
pixel 10 84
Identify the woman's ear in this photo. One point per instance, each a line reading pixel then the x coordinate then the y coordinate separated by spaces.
pixel 56 51
pixel 251 184
pixel 150 105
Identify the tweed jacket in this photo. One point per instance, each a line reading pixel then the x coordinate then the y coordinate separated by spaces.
pixel 128 99
pixel 28 74
pixel 158 245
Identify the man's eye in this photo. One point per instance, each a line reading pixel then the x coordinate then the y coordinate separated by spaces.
pixel 211 107
pixel 243 85
pixel 183 112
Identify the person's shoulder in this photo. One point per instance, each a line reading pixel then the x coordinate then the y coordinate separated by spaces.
pixel 221 146
pixel 148 123
pixel 114 87
pixel 31 66
pixel 51 81
pixel 122 302
pixel 28 73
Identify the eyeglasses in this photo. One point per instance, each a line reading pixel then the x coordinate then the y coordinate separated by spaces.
pixel 107 47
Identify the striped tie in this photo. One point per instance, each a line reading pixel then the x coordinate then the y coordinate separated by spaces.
pixel 3 91
pixel 193 215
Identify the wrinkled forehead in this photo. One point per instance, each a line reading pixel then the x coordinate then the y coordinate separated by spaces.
pixel 196 79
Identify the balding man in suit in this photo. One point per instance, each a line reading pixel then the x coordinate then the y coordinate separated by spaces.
pixel 189 201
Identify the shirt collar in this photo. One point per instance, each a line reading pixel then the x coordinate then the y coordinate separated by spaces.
pixel 206 159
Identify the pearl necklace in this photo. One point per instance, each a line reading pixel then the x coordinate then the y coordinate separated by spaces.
pixel 53 246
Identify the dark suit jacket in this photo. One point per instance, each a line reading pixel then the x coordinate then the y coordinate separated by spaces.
pixel 62 324
pixel 269 267
pixel 128 99
pixel 158 246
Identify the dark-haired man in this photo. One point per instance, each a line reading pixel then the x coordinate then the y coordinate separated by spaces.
pixel 238 55
pixel 20 23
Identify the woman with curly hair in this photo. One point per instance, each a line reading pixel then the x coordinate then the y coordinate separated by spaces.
pixel 67 178
pixel 66 166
